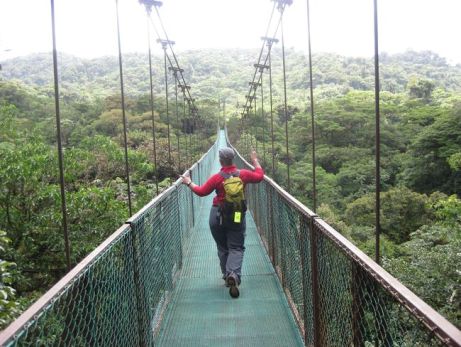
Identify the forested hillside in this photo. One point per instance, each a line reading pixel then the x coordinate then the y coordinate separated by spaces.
pixel 224 73
pixel 420 165
pixel 421 155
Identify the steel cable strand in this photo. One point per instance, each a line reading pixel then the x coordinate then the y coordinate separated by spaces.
pixel 122 92
pixel 258 66
pixel 285 110
pixel 377 135
pixel 62 183
pixel 167 102
pixel 173 65
pixel 170 44
pixel 175 74
pixel 311 90
pixel 154 147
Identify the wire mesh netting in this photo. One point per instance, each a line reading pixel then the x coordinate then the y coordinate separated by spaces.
pixel 337 298
pixel 94 306
pixel 116 296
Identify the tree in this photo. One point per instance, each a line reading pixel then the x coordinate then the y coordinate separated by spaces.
pixel 430 267
pixel 9 306
pixel 403 211
pixel 420 88
pixel 427 166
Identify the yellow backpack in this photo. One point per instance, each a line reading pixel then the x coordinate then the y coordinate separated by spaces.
pixel 234 200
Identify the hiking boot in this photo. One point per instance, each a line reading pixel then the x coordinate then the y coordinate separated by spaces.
pixel 225 280
pixel 231 282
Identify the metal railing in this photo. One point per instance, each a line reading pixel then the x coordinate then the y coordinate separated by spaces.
pixel 339 296
pixel 116 296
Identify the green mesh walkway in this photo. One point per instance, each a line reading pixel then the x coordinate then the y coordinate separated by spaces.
pixel 202 313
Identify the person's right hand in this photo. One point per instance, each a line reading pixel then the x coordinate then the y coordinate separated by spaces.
pixel 185 180
pixel 253 156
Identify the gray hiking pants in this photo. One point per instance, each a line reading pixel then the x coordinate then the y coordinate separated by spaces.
pixel 230 241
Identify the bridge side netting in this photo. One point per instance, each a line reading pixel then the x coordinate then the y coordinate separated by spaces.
pixel 116 296
pixel 338 295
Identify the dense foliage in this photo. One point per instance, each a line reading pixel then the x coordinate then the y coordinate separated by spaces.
pixel 421 156
pixel 31 243
pixel 420 162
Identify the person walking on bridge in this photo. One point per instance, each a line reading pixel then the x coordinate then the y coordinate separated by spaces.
pixel 227 219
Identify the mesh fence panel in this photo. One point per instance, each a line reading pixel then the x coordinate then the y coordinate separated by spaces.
pixel 337 300
pixel 369 313
pixel 96 306
pixel 117 295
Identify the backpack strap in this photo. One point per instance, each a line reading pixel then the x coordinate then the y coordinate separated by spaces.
pixel 226 175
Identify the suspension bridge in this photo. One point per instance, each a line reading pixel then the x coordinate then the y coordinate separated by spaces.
pixel 156 280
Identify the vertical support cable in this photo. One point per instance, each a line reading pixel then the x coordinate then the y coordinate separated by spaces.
pixel 271 108
pixel 127 169
pixel 285 106
pixel 256 122
pixel 378 137
pixel 184 130
pixel 164 46
pixel 152 105
pixel 189 125
pixel 224 114
pixel 317 308
pixel 177 116
pixel 243 131
pixel 311 87
pixel 219 112
pixel 263 117
pixel 58 137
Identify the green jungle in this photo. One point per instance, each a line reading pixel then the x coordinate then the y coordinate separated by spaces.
pixel 420 155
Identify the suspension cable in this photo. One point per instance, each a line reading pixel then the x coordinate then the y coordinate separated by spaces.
pixel 269 55
pixel 127 169
pixel 175 71
pixel 285 109
pixel 281 4
pixel 281 7
pixel 256 122
pixel 378 138
pixel 62 183
pixel 263 117
pixel 183 128
pixel 245 108
pixel 152 105
pixel 164 45
pixel 311 89
pixel 189 124
pixel 170 44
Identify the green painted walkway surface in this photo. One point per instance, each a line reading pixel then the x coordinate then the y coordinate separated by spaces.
pixel 201 312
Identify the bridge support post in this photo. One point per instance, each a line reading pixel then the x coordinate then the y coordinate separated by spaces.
pixel 271 225
pixel 180 231
pixel 303 230
pixel 357 307
pixel 139 287
pixel 192 201
pixel 318 338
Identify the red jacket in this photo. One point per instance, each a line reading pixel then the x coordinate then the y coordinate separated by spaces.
pixel 215 182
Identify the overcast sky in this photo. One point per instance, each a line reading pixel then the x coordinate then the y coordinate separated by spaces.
pixel 87 28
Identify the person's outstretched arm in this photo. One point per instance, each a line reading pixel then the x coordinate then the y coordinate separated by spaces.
pixel 253 176
pixel 208 187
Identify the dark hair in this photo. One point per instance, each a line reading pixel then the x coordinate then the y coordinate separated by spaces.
pixel 226 162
